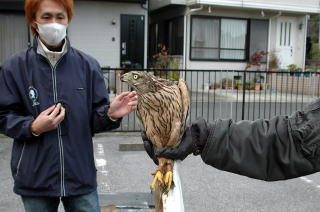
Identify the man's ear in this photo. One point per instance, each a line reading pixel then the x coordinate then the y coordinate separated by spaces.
pixel 34 27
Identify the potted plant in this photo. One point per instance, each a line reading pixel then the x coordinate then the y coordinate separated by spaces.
pixel 239 85
pixel 294 68
pixel 256 59
pixel 227 83
pixel 308 72
pixel 249 85
pixel 161 59
pixel 257 86
pixel 213 86
pixel 273 62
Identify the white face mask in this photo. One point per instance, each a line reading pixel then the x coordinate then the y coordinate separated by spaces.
pixel 52 33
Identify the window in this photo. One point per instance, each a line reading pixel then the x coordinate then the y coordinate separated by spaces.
pixel 169 33
pixel 153 38
pixel 175 36
pixel 214 38
pixel 233 39
pixel 258 37
pixel 285 34
pixel 205 38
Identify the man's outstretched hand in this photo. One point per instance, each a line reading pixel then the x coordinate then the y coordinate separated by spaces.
pixel 123 104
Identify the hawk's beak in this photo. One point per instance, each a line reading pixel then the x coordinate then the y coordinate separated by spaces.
pixel 124 78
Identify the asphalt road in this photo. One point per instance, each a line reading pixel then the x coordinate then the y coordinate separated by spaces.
pixel 205 189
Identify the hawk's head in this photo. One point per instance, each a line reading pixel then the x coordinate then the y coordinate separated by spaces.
pixel 140 81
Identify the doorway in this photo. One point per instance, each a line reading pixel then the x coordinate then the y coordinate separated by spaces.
pixel 286 31
pixel 132 41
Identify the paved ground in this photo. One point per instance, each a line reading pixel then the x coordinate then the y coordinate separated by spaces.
pixel 205 189
pixel 8 200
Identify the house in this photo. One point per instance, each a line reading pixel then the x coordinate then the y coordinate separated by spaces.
pixel 113 32
pixel 201 34
pixel 224 34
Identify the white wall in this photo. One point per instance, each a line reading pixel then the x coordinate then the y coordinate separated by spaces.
pixel 91 30
pixel 301 42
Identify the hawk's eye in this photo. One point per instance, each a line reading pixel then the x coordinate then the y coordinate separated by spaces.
pixel 135 76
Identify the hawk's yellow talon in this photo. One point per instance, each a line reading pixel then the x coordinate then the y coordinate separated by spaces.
pixel 157 177
pixel 168 180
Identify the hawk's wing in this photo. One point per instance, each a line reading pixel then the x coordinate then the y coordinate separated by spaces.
pixel 184 91
pixel 139 122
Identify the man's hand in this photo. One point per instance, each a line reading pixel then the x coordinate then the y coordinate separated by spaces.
pixel 123 104
pixel 48 119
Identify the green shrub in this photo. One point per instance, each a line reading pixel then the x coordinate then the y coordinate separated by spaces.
pixel 315 51
pixel 294 67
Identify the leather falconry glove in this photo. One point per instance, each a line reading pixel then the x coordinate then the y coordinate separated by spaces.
pixel 193 141
pixel 148 146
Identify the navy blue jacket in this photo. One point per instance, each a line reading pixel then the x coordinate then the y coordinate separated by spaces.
pixel 59 162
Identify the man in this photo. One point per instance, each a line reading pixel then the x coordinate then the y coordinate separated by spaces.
pixel 277 149
pixel 53 99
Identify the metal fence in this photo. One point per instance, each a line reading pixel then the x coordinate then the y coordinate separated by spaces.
pixel 240 95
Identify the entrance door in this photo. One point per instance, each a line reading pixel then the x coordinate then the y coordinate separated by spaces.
pixel 132 41
pixel 286 29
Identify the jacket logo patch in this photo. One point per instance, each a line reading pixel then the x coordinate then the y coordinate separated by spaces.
pixel 33 95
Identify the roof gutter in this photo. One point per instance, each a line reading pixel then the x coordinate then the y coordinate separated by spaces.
pixel 290 7
pixel 195 9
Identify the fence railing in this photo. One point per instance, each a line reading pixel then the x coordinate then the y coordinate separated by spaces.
pixel 240 95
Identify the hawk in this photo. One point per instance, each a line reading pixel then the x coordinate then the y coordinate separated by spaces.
pixel 163 109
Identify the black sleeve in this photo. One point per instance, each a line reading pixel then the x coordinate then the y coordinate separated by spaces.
pixel 277 149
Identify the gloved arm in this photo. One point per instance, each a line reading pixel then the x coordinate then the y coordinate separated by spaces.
pixel 148 146
pixel 263 149
pixel 276 149
pixel 192 141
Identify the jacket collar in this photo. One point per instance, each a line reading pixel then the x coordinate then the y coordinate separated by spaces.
pixel 36 44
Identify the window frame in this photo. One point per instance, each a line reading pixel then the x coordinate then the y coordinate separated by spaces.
pixel 247 39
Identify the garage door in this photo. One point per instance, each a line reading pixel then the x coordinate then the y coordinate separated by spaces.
pixel 13 34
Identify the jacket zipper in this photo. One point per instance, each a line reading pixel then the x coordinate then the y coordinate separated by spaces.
pixel 55 98
pixel 19 162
